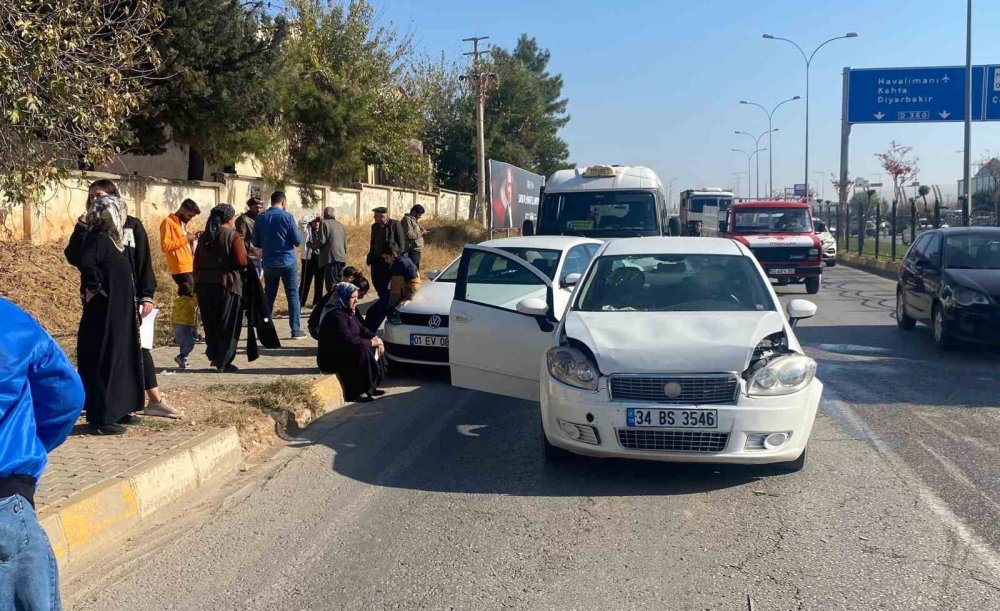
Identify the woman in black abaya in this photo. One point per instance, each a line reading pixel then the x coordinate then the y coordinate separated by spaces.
pixel 347 348
pixel 108 352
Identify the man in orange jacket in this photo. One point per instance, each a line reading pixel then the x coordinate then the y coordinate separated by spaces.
pixel 176 243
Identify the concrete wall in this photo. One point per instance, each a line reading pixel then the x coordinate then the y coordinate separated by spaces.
pixel 151 199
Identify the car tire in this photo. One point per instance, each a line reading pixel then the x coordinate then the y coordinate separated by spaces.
pixel 553 453
pixel 903 321
pixel 812 285
pixel 942 333
pixel 792 466
pixel 831 262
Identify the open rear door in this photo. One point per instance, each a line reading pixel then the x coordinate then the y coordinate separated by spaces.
pixel 500 323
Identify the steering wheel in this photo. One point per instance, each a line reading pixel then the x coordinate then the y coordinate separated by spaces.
pixel 625 278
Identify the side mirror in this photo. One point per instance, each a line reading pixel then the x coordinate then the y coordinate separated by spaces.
pixel 434 273
pixel 533 306
pixel 799 309
pixel 571 280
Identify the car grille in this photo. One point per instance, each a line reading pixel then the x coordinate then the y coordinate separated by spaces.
pixel 781 254
pixel 694 389
pixel 418 353
pixel 672 441
pixel 422 320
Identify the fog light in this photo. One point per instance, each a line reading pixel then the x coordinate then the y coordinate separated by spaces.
pixel 580 432
pixel 569 429
pixel 776 440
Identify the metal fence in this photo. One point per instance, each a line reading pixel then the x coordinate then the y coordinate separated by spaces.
pixel 878 228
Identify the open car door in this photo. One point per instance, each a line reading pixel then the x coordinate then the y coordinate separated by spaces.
pixel 500 325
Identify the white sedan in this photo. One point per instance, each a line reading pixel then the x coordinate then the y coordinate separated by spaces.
pixel 672 349
pixel 417 332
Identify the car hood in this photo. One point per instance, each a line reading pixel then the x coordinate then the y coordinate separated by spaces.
pixel 983 280
pixel 672 342
pixel 432 298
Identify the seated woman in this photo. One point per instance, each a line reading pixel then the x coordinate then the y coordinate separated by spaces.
pixel 347 348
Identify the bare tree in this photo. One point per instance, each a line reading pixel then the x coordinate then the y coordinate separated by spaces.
pixel 75 70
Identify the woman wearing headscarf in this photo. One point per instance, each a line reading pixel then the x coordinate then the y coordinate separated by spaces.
pixel 347 348
pixel 218 261
pixel 108 350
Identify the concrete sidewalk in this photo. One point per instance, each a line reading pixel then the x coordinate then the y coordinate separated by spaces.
pixel 96 488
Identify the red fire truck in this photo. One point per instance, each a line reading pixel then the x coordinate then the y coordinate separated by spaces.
pixel 782 237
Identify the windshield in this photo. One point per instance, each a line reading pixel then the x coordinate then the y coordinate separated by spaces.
pixel 546 260
pixel 972 252
pixel 674 283
pixel 600 213
pixel 698 203
pixel 773 220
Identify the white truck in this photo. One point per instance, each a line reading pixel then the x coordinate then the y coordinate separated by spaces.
pixel 605 201
pixel 702 209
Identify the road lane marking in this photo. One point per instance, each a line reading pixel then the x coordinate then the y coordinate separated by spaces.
pixel 989 557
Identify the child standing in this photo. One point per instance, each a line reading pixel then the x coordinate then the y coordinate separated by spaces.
pixel 184 327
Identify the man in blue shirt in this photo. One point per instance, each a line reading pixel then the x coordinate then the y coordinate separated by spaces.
pixel 40 399
pixel 277 234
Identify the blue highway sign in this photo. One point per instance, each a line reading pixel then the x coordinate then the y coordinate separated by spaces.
pixel 992 101
pixel 923 95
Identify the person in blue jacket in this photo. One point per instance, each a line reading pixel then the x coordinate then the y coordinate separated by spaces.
pixel 40 400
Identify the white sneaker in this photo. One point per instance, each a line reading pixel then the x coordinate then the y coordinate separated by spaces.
pixel 162 410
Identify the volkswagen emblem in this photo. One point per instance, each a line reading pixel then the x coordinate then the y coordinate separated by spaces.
pixel 672 390
pixel 434 321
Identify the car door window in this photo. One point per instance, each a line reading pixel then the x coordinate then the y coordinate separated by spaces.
pixel 916 251
pixel 576 261
pixel 933 251
pixel 500 282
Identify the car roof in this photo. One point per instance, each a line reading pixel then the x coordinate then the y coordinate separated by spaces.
pixel 626 177
pixel 950 231
pixel 556 242
pixel 674 246
pixel 770 204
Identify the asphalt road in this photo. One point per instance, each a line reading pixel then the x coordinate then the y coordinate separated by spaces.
pixel 435 497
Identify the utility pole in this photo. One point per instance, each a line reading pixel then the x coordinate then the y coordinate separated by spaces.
pixel 966 171
pixel 480 81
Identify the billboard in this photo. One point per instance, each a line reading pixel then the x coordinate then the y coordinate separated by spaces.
pixel 514 195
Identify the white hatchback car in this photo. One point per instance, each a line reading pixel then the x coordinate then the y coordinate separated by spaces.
pixel 417 332
pixel 673 349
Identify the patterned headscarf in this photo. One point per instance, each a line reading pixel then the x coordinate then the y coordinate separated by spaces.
pixel 344 291
pixel 220 214
pixel 108 214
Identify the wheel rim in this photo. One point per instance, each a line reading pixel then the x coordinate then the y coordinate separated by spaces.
pixel 938 326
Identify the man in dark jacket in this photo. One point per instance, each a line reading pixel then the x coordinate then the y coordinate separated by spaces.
pixel 40 400
pixel 136 243
pixel 331 243
pixel 385 232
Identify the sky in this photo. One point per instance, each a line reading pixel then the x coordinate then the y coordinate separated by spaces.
pixel 659 83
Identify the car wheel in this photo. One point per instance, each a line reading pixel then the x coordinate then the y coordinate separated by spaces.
pixel 791 466
pixel 812 285
pixel 903 321
pixel 942 334
pixel 553 453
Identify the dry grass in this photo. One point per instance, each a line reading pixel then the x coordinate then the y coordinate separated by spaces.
pixel 255 409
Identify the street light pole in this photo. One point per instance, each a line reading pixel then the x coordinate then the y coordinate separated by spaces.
pixel 756 144
pixel 749 158
pixel 966 171
pixel 808 59
pixel 770 142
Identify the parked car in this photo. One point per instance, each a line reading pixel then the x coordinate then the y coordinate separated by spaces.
pixel 417 332
pixel 672 349
pixel 828 244
pixel 950 280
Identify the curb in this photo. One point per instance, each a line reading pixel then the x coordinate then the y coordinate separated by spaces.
pixel 886 269
pixel 113 508
pixel 116 506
